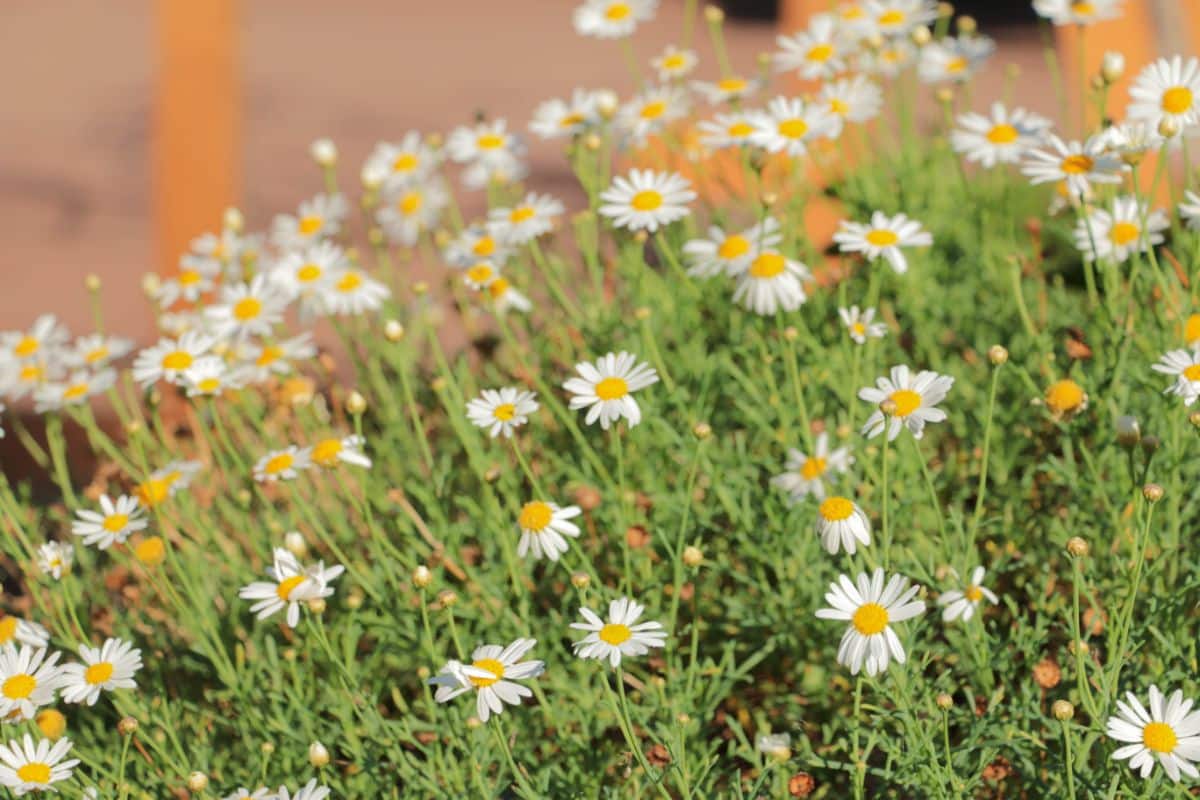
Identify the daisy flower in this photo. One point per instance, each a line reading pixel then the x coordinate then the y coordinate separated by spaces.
pixel 726 90
pixel 772 283
pixel 606 388
pixel 860 325
pixel 1169 733
pixel 1189 210
pixel 612 19
pixel 954 60
pixel 1118 234
pixel 75 390
pixel 290 585
pixel 330 452
pixel 113 523
pixel 1167 90
pixel 46 333
pixel 914 396
pixel 54 559
pixel 27 767
pixel 543 526
pixel 246 309
pixel 1132 138
pixel 166 482
pixel 806 475
pixel 299 274
pixel 208 375
pixel 816 53
pixel 895 18
pixel 888 60
pixel 871 607
pixel 28 680
pixel 884 237
pixel 475 243
pixel 732 253
pixel 560 119
pixel 408 210
pixel 1001 137
pixel 841 524
pixel 1080 164
pixel 620 635
pixel 502 410
pixel 97 350
pixel 480 275
pixel 1077 12
pixel 1184 366
pixel 106 668
pixel 674 63
pixel 647 200
pixel 309 791
pixel 488 143
pixel 243 793
pixel 650 111
pixel 790 124
pixel 491 674
pixel 258 362
pixel 167 360
pixel 527 220
pixel 15 631
pixel 853 99
pixel 352 292
pixel 196 278
pixel 405 162
pixel 726 130
pixel 284 464
pixel 318 218
pixel 776 745
pixel 961 604
pixel 505 297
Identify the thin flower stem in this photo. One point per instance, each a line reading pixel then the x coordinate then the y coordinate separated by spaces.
pixel 981 490
pixel 621 708
pixel 622 519
pixel 533 481
pixel 887 499
pixel 933 495
pixel 860 774
pixel 1070 762
pixel 518 775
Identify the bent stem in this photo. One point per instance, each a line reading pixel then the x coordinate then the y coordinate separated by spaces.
pixel 518 775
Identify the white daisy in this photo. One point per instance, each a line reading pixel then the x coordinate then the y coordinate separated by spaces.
pixel 527 220
pixel 1184 365
pixel 559 119
pixel 772 283
pixel 543 526
pixel 46 334
pixel 97 350
pixel 1077 12
pixel 1002 137
pixel 647 200
pixel 474 243
pixel 1167 90
pixel 612 19
pixel 166 482
pixel 505 297
pixel 650 111
pixel 871 608
pixel 1078 163
pixel 318 218
pixel 309 791
pixel 243 793
pixel 674 63
pixel 817 53
pixel 621 635
pixel 75 390
pixel 491 674
pixel 789 125
pixel 29 677
pixel 352 292
pixel 26 766
pixel 884 237
pixel 408 210
pixel 954 60
pixel 209 375
pixel 487 143
pixel 54 559
pixel 896 18
pixel 480 275
pixel 1132 138
pixel 106 668
pixel 259 362
pixel 196 278
pixel 860 325
pixel 501 411
pixel 888 60
pixel 284 464
pixel 962 603
pixel 853 99
pixel 328 453
pixel 301 274
pixel 15 631
pixel 290 585
pixel 726 130
pixel 841 524
pixel 915 397
pixel 113 523
pixel 726 90
pixel 246 309
pixel 606 388
pixel 170 357
pixel 1189 210
pixel 806 474
pixel 1168 732
pixel 1118 234
pixel 405 162
pixel 732 253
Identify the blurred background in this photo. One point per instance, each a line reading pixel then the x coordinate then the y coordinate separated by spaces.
pixel 128 124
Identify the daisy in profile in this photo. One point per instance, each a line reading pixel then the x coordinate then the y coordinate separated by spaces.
pixel 196 278
pixel 650 111
pixel 76 390
pixel 894 56
pixel 405 162
pixel 1167 90
pixel 612 19
pixel 352 292
pixel 954 60
pixel 474 243
pixel 208 375
pixel 54 559
pixel 258 362
pixel 806 475
pixel 26 766
pixel 243 793
pixel 284 464
pixel 492 675
pixel 871 608
pixel 897 18
pixel 606 388
pixel 1000 137
pixel 772 283
pixel 842 525
pixel 853 99
pixel 730 254
pixel 115 520
pixel 97 350
pixel 15 632
pixel 726 130
pixel 1080 164
pixel 861 325
pixel 726 90
pixel 1189 210
pixel 487 143
pixel 166 482
pixel 480 275
pixel 789 125
pixel 1132 139
pixel 1118 234
pixel 1184 366
pixel 543 526
pixel 501 411
pixel 506 298
pixel 674 64
pixel 1169 733
pixel 290 585
pixel 962 603
pixel 563 119
pixel 1077 12
pixel 167 360
pixel 817 53
pixel 408 210
pixel 318 218
pixel 309 791
pixel 883 237
pixel 646 200
pixel 29 677
pixel 914 397
pixel 532 217
pixel 776 745
pixel 621 635
pixel 46 334
pixel 328 453
pixel 106 668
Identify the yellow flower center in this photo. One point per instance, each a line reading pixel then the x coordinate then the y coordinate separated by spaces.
pixel 731 85
pixel 1065 395
pixel 152 492
pixel 287 586
pixel 1123 233
pixel 794 128
pixel 486 245
pixel 836 509
pixel 571 120
pixel 19 686
pixel 820 53
pixel 31 373
pixel 615 634
pixel 767 265
pixel 1192 373
pixel 410 203
pixel 870 619
pixel 480 273
pixel 34 772
pixel 617 12
pixel 956 65
pixel 734 246
pixel 26 347
pixel 1002 134
pixel 498 287
pixel 115 523
pixel 906 400
pixel 521 214
pixel 208 385
pixel 1177 100
pixel 535 516
pixel 613 388
pixel 673 62
pixel 813 468
pixel 853 11
pixel 349 282
pixel 98 354
pixel 1159 737
pixel 151 550
pixel 505 412
pixel 488 665
pixel 247 308
pixel 1083 8
pixel 490 141
pixel 1077 164
pixel 309 273
pixel 75 391
pixel 326 452
pixel 882 238
pixel 310 224
pixel 1191 329
pixel 653 109
pixel 740 130
pixel 8 629
pixel 177 360
pixel 98 673
pixel 189 277
pixel 278 464
pixel 859 329
pixel 269 355
pixel 973 593
pixel 891 17
pixel 838 106
pixel 405 162
pixel 646 200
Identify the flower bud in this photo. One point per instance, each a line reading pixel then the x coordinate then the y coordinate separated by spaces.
pixel 1194 418
pixel 967 25
pixel 324 152
pixel 51 723
pixel 393 330
pixel 641 313
pixel 295 544
pixel 447 598
pixel 944 701
pixel 1150 444
pixel 1152 492
pixel 702 430
pixel 693 556
pixel 267 748
pixel 790 333
pixel 1129 432
pixel 944 95
pixel 91 282
pixel 580 580
pixel 356 404
pixel 197 782
pixel 714 15
pixel 233 220
pixel 127 726
pixel 1062 710
pixel 151 284
pixel 318 756
pixel 607 102
pixel 1112 68
pixel 592 142
pixel 921 36
pixel 474 722
pixel 1078 547
pixel 1168 128
pixel 998 354
pixel 888 407
pixel 422 577
pixel 317 605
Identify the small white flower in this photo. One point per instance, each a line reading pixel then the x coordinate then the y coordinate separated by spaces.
pixel 726 130
pixel 303 274
pixel 726 90
pixel 75 390
pixel 1118 234
pixel 318 218
pixel 1001 137
pixel 529 219
pixel 309 791
pixel 962 603
pixel 15 631
pixel 328 453
pixel 650 111
pixel 806 475
pixel 647 200
pixel 853 99
pixel 106 668
pixel 954 60
pixel 29 678
pixel 772 283
pixel 842 525
pixel 606 388
pixel 871 608
pixel 26 766
pixel 817 53
pixel 284 464
pixel 543 526
pixel 860 324
pixel 789 125
pixel 97 350
pixel 915 397
pixel 501 411
pixel 731 253
pixel 351 292
pixel 54 559
pixel 1169 733
pixel 491 674
pixel 674 63
pixel 621 635
pixel 406 162
pixel 45 335
pixel 290 585
pixel 166 482
pixel 612 19
pixel 1167 90
pixel 408 210
pixel 1189 210
pixel 243 793
pixel 898 18
pixel 170 357
pixel 778 745
pixel 208 375
pixel 113 523
pixel 1184 365
pixel 505 297
pixel 560 119
pixel 1080 164
pixel 475 243
pixel 1077 12
pixel 884 237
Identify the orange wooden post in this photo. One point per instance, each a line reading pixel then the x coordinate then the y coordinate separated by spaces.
pixel 195 128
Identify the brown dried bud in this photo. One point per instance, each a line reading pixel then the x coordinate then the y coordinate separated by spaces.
pixel 1046 673
pixel 1062 710
pixel 801 785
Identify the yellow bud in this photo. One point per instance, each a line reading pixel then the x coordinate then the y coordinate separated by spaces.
pixel 197 782
pixel 127 726
pixel 580 580
pixel 714 15
pixel 324 152
pixel 393 330
pixel 997 354
pixel 1152 492
pixel 422 577
pixel 318 756
pixel 295 544
pixel 1078 546
pixel 447 598
pixel 944 701
pixel 233 220
pixel 52 723
pixel 1062 710
pixel 317 605
pixel 356 404
pixel 693 556
pixel 702 430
